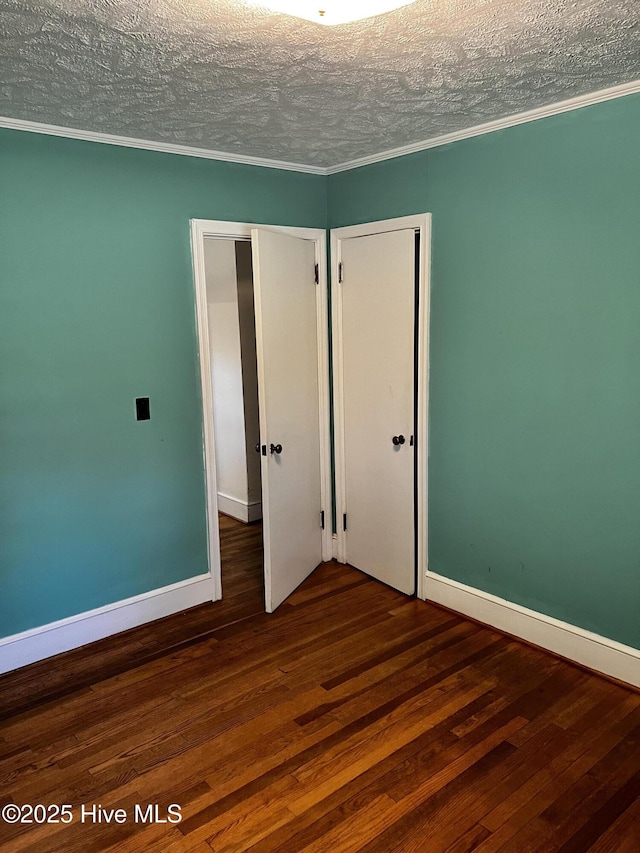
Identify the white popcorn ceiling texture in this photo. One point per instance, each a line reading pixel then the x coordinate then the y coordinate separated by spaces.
pixel 223 75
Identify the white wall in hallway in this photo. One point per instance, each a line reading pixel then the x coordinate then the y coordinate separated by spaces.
pixel 246 314
pixel 226 371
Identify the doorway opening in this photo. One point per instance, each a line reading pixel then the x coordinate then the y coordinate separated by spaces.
pixel 235 409
pixel 290 346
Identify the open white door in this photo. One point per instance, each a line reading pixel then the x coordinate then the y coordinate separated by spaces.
pixel 288 391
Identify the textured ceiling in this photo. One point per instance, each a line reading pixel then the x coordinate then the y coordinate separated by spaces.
pixel 223 75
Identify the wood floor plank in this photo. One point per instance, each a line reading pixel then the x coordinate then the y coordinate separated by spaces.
pixel 567 815
pixel 604 816
pixel 252 819
pixel 586 747
pixel 623 835
pixel 366 786
pixel 352 719
pixel 411 820
pixel 363 825
pixel 469 840
pixel 336 768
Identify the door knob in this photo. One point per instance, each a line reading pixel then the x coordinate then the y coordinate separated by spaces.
pixel 398 439
pixel 258 447
pixel 276 448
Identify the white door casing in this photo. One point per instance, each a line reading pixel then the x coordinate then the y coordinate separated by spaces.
pixel 205 229
pixel 374 289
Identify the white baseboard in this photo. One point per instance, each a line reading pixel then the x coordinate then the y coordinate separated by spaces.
pixel 241 510
pixel 56 637
pixel 584 647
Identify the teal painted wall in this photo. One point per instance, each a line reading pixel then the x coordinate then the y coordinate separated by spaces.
pixel 96 308
pixel 535 360
pixel 384 190
pixel 535 357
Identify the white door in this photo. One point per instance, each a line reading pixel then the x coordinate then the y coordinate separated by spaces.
pixel 376 356
pixel 288 392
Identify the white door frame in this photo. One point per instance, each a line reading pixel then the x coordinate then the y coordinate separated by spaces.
pixel 202 229
pixel 422 224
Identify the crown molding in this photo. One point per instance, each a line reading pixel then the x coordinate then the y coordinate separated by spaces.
pixel 489 127
pixel 163 147
pixel 568 105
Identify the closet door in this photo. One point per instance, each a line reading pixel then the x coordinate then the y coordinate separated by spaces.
pixel 374 330
pixel 288 392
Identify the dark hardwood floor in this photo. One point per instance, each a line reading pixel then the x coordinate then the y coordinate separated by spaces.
pixel 241 555
pixel 352 719
pixel 243 596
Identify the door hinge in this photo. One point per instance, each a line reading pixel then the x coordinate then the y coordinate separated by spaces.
pixel 340 273
pixel 344 521
pixel 317 274
pixel 322 519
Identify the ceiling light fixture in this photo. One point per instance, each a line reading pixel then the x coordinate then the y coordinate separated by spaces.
pixel 332 12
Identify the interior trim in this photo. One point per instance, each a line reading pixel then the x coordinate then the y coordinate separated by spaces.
pixel 556 108
pixel 244 511
pixel 66 634
pixel 150 145
pixel 593 651
pixel 201 229
pixel 491 126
